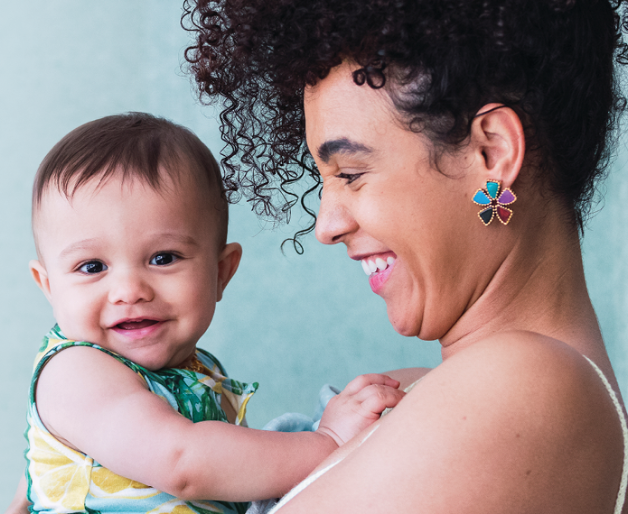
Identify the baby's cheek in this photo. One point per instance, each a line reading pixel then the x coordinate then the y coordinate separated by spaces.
pixel 78 319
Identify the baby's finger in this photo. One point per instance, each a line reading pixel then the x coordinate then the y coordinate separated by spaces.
pixel 362 381
pixel 375 398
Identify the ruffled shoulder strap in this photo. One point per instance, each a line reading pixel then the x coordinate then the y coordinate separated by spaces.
pixel 54 342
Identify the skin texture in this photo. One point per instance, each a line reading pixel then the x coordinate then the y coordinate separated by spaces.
pixel 514 420
pixel 153 256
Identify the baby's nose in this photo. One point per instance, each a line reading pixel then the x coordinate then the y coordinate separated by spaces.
pixel 130 287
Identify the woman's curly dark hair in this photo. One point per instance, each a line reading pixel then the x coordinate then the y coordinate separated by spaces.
pixel 553 61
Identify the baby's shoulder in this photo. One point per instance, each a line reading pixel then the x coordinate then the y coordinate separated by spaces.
pixel 84 359
pixel 80 372
pixel 77 381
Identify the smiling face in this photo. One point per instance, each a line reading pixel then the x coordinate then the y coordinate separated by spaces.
pixel 133 269
pixel 413 227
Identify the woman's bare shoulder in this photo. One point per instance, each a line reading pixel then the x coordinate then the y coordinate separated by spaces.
pixel 519 423
pixel 407 376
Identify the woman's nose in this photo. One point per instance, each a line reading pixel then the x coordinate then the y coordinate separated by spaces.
pixel 130 287
pixel 334 221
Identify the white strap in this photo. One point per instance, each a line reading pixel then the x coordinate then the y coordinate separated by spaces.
pixel 621 495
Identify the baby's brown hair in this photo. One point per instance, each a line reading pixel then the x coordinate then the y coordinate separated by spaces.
pixel 137 145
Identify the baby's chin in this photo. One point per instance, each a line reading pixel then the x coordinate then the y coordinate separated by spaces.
pixel 154 358
pixel 149 352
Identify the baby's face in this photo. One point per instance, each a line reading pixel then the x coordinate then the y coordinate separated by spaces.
pixel 132 269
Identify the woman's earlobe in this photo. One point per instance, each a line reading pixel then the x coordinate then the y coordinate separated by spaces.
pixel 40 275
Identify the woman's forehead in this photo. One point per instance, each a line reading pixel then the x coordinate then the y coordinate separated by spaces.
pixel 337 109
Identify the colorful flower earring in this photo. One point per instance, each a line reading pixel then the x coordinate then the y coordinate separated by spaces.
pixel 494 202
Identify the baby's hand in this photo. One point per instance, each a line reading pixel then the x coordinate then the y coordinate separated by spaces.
pixel 359 406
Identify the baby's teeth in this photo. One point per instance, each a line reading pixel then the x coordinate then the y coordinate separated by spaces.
pixel 372 266
pixel 390 261
pixel 381 264
pixel 365 267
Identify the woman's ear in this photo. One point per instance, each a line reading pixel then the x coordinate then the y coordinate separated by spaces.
pixel 228 263
pixel 497 134
pixel 40 275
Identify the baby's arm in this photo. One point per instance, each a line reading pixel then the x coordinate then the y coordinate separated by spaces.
pixel 95 404
pixel 20 504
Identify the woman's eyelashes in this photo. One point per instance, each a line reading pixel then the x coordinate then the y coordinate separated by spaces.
pixel 350 177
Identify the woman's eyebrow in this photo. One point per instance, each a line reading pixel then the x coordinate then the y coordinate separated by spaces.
pixel 343 145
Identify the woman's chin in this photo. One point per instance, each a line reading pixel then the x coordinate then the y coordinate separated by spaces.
pixel 411 324
pixel 408 326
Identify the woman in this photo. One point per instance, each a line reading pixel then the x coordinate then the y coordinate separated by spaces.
pixel 459 145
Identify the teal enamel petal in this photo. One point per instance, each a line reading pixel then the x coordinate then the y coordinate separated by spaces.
pixel 481 198
pixel 492 188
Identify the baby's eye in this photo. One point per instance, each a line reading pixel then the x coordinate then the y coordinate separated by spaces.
pixel 92 267
pixel 163 259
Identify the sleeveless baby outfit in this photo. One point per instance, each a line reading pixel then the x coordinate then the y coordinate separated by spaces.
pixel 273 508
pixel 63 480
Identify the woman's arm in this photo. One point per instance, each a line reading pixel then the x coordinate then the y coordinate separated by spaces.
pixel 95 404
pixel 20 504
pixel 518 425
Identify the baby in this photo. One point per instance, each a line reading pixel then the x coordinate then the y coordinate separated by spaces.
pixel 130 224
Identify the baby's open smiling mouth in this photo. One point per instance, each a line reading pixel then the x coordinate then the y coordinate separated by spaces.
pixel 136 324
pixel 138 328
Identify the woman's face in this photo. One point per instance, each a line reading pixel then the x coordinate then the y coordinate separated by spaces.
pixel 385 200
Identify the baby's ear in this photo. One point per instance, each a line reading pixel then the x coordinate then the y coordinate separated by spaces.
pixel 228 263
pixel 40 275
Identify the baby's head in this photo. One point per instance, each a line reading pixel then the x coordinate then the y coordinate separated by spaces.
pixel 130 225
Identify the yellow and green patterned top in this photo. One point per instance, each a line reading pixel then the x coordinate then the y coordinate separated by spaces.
pixel 63 480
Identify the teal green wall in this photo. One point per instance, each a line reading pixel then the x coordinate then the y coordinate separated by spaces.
pixel 292 323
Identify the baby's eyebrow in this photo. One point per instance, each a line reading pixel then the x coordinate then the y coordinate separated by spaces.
pixel 78 245
pixel 177 238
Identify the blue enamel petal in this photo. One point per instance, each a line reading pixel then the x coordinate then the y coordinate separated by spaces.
pixel 492 188
pixel 480 198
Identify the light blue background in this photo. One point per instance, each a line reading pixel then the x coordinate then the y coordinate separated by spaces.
pixel 290 322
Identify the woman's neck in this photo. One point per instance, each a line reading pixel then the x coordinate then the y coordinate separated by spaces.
pixel 539 287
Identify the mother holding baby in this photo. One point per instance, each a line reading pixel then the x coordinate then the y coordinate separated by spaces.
pixel 458 144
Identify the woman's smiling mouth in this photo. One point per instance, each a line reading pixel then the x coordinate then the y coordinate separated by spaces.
pixel 372 265
pixel 378 268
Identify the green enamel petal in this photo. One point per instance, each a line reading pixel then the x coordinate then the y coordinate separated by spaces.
pixel 492 187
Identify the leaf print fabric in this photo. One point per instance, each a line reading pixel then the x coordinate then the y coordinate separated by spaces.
pixel 62 480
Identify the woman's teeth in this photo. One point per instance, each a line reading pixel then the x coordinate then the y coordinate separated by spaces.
pixel 371 266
